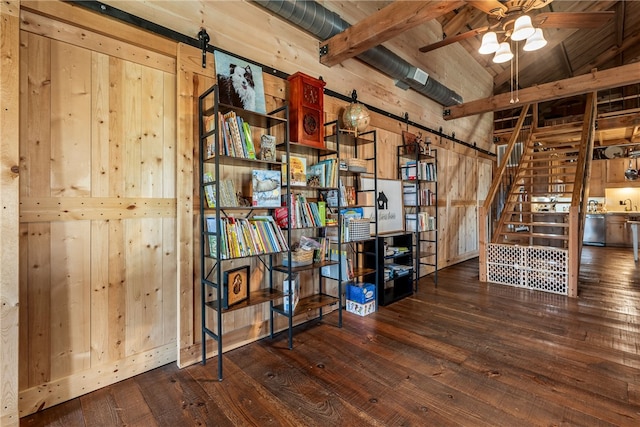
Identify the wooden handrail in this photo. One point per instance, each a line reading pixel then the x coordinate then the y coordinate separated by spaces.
pixel 507 154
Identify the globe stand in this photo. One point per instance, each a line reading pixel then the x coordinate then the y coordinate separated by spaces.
pixel 356 116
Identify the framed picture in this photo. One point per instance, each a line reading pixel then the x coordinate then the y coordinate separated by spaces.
pixel 389 201
pixel 236 286
pixel 240 83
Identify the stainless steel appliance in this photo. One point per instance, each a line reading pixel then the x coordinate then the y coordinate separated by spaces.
pixel 594 230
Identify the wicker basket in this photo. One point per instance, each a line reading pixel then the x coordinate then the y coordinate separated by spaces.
pixel 357 165
pixel 359 229
pixel 299 258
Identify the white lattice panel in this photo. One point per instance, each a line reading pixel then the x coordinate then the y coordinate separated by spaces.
pixel 532 267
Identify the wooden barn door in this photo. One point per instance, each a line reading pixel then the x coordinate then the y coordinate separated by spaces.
pixel 98 300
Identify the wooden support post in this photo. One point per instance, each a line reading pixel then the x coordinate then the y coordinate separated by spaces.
pixel 574 251
pixel 483 237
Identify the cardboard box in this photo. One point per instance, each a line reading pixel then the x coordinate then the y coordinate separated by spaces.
pixel 361 293
pixel 361 309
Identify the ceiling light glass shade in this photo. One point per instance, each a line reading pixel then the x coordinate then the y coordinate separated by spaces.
pixel 535 42
pixel 522 28
pixel 503 54
pixel 489 43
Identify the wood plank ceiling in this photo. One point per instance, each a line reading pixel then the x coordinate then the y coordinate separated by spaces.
pixel 570 52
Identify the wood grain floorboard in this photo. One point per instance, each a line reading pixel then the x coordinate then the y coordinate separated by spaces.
pixel 462 353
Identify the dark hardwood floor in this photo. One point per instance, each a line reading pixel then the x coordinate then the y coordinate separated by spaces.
pixel 464 353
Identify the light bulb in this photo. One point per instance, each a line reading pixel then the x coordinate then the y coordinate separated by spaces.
pixel 489 43
pixel 503 54
pixel 535 42
pixel 522 28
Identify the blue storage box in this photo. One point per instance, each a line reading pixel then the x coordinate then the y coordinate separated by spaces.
pixel 361 292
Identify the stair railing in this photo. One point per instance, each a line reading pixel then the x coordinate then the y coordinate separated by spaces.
pixel 483 218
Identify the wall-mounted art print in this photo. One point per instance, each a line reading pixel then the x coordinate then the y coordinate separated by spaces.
pixel 240 83
pixel 236 286
pixel 389 201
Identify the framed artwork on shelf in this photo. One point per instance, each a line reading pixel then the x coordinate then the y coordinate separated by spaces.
pixel 389 201
pixel 236 286
pixel 240 83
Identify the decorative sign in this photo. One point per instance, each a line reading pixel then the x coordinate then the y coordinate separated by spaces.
pixel 389 201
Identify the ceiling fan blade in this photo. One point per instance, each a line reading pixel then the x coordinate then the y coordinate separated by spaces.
pixel 572 19
pixel 454 39
pixel 490 7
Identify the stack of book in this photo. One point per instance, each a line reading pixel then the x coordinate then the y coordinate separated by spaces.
pixel 241 237
pixel 421 221
pixel 228 197
pixel 323 174
pixel 302 214
pixel 424 171
pixel 235 137
pixel 414 196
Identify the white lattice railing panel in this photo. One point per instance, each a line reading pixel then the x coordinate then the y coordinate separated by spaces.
pixel 533 267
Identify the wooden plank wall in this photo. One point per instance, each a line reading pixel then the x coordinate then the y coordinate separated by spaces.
pixel 97 211
pixel 9 170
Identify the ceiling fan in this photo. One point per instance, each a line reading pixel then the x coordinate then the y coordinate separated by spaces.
pixel 502 16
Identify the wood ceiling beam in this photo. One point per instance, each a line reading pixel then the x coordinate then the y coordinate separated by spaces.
pixel 594 81
pixel 381 26
pixel 554 38
pixel 461 21
pixel 631 41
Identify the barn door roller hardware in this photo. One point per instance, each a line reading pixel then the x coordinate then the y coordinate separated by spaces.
pixel 204 43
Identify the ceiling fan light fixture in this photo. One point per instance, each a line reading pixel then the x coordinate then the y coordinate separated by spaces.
pixel 503 54
pixel 522 29
pixel 489 43
pixel 535 42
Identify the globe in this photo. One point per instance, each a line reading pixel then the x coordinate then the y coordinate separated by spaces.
pixel 356 117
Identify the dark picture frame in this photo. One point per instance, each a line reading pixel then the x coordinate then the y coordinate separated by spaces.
pixel 235 288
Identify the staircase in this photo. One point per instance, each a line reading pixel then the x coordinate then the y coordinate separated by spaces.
pixel 537 204
pixel 537 239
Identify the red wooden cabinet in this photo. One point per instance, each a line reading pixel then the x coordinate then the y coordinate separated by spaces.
pixel 306 114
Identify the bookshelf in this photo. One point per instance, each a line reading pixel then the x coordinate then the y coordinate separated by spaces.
pixel 236 232
pixel 304 216
pixel 357 154
pixel 417 168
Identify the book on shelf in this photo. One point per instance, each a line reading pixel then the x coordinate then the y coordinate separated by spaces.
pixel 316 175
pixel 420 221
pixel 322 212
pixel 298 167
pixel 240 237
pixel 234 133
pixel 266 188
pixel 251 150
pixel 291 291
pixel 223 136
pixel 209 189
pixel 228 197
pixel 213 240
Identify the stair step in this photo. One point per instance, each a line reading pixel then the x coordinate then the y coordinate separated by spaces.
pixel 555 150
pixel 540 195
pixel 558 166
pixel 535 235
pixel 539 224
pixel 528 213
pixel 543 175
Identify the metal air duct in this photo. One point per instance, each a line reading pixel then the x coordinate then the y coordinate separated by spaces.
pixel 325 24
